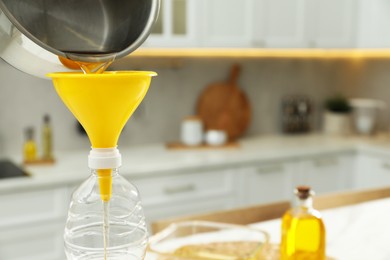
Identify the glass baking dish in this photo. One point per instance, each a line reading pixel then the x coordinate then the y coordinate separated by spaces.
pixel 208 240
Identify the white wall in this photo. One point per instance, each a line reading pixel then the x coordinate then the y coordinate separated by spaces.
pixel 25 99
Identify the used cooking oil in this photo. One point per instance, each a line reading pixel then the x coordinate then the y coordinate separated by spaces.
pixel 303 231
pixel 86 67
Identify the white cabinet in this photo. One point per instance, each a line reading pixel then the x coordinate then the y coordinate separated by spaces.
pixel 268 182
pixel 32 224
pixel 176 25
pixel 268 23
pixel 226 23
pixel 305 23
pixel 332 23
pixel 187 192
pixel 372 171
pixel 279 23
pixel 33 241
pixel 327 173
pixel 275 181
pixel 374 24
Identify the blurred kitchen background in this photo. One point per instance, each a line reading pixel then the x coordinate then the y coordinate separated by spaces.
pixel 287 50
pixel 312 71
pixel 173 95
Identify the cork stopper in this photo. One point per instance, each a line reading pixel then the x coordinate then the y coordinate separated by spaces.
pixel 303 192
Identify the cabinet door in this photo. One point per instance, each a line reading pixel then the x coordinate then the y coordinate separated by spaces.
pixel 279 23
pixel 226 23
pixel 268 183
pixel 372 172
pixel 374 24
pixel 332 23
pixel 327 173
pixel 187 193
pixel 33 242
pixel 176 25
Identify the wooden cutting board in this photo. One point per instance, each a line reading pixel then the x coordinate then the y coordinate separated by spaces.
pixel 224 106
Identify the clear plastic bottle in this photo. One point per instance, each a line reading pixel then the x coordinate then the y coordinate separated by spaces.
pixel 112 230
pixel 303 231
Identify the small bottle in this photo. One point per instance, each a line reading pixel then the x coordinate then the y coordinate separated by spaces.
pixel 47 146
pixel 30 147
pixel 303 231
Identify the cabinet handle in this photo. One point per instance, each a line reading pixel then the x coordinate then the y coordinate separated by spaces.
pixel 268 170
pixel 386 166
pixel 312 44
pixel 179 189
pixel 325 162
pixel 259 43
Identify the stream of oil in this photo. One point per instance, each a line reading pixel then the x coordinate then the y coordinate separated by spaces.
pixel 106 227
pixel 95 68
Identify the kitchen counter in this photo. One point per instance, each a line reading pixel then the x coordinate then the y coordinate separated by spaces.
pixel 354 232
pixel 71 166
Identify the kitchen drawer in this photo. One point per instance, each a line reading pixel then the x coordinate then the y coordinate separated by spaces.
pixel 33 242
pixel 181 187
pixel 31 206
pixel 168 210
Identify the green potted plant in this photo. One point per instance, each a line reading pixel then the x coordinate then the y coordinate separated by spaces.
pixel 337 116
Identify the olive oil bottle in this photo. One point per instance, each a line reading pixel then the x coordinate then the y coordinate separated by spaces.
pixel 47 148
pixel 303 231
pixel 29 147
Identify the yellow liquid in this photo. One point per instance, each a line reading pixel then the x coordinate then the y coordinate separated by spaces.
pixel 303 236
pixel 30 151
pixel 106 227
pixel 86 67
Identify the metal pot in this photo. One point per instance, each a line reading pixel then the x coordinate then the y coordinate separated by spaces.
pixel 33 33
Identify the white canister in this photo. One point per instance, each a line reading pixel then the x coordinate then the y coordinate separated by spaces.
pixel 192 131
pixel 216 137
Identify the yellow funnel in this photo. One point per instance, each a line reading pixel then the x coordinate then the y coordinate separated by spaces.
pixel 102 103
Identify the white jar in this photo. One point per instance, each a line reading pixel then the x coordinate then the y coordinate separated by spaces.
pixel 216 137
pixel 192 131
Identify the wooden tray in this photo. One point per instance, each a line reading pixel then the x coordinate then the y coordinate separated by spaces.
pixel 180 146
pixel 40 162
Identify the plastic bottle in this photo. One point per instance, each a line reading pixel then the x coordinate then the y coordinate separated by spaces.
pixel 30 147
pixel 97 229
pixel 47 143
pixel 303 231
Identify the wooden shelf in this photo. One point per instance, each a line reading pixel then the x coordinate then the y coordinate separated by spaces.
pixel 258 53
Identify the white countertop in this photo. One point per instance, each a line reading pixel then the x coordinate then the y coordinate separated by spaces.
pixel 141 161
pixel 358 232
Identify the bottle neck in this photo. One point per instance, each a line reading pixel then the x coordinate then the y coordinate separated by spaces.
pixel 106 172
pixel 305 203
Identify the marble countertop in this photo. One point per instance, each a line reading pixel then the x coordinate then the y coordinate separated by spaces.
pixel 357 232
pixel 142 161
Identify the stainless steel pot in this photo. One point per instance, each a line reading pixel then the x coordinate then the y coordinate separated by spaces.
pixel 34 32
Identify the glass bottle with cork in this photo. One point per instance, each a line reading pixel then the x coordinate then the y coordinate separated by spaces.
pixel 303 231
